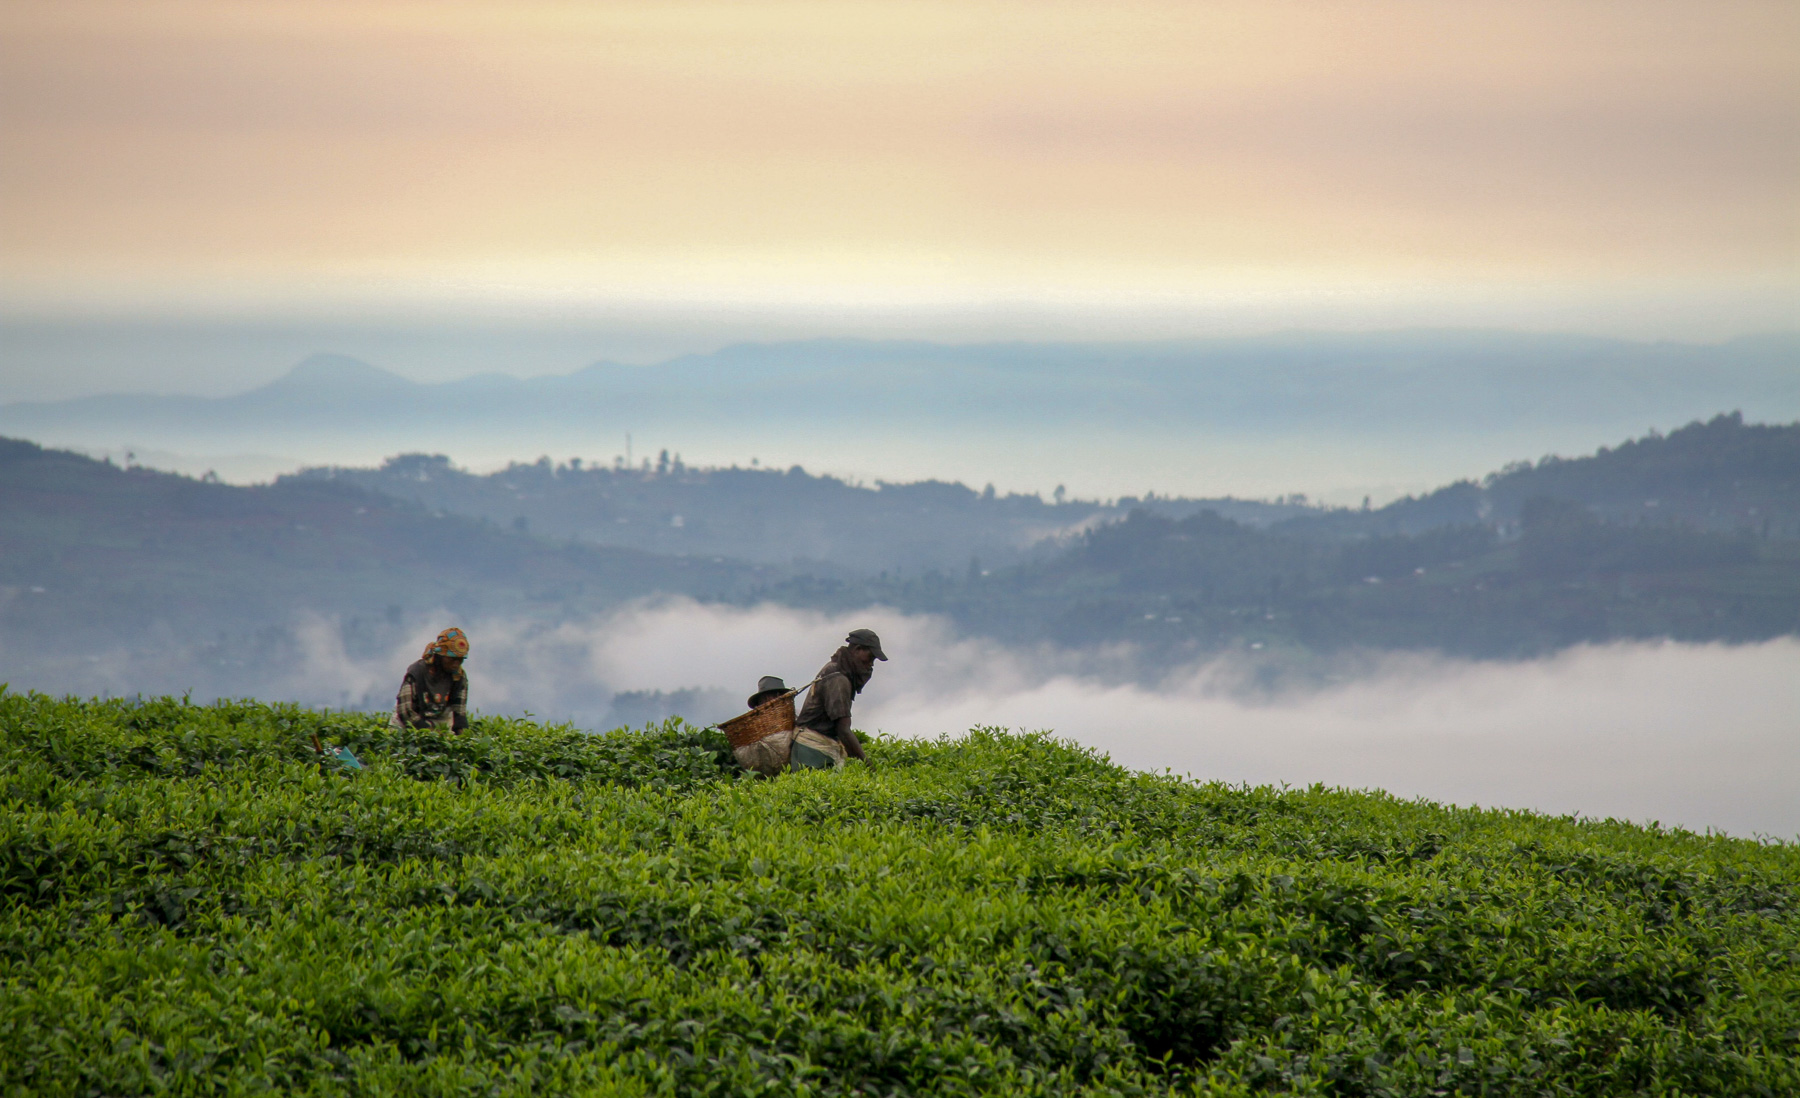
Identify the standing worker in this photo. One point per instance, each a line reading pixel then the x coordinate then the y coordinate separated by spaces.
pixel 827 708
pixel 435 691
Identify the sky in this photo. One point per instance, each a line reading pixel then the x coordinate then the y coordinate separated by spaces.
pixel 1629 167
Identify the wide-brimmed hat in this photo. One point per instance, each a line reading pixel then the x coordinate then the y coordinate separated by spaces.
pixel 769 686
pixel 867 639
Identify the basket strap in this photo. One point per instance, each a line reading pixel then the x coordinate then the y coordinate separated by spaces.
pixel 798 705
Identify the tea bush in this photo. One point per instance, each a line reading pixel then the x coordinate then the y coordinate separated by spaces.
pixel 192 903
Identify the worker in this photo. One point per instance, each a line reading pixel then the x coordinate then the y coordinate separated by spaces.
pixel 827 708
pixel 767 687
pixel 435 690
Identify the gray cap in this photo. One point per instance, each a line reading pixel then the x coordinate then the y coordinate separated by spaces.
pixel 868 639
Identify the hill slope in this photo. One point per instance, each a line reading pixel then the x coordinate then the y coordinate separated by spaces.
pixel 189 904
pixel 765 515
pixel 1691 536
pixel 96 561
pixel 1723 475
pixel 127 580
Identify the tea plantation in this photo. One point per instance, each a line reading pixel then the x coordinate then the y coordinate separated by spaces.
pixel 192 903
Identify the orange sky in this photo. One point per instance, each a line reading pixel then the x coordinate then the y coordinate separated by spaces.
pixel 285 156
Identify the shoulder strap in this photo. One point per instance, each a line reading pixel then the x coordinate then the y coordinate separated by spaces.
pixel 816 681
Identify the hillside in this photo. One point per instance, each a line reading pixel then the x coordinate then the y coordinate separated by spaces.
pixel 190 903
pixel 1534 559
pixel 127 580
pixel 770 516
pixel 1722 474
pixel 102 563
pixel 1178 589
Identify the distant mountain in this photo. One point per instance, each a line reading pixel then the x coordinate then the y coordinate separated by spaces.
pixel 330 378
pixel 1377 379
pixel 319 385
pixel 849 403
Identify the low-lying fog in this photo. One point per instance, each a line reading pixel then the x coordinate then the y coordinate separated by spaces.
pixel 1700 736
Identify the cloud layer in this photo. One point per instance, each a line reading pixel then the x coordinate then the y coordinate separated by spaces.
pixel 1700 736
pixel 1697 736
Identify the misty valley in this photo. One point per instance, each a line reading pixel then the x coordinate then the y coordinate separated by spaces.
pixel 125 580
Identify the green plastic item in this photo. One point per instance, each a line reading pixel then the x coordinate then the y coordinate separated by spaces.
pixel 343 756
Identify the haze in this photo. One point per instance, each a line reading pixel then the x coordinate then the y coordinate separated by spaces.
pixel 1162 168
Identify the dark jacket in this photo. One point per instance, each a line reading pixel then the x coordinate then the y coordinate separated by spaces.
pixel 827 708
pixel 431 699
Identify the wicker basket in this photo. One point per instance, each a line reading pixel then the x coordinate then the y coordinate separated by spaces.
pixel 772 716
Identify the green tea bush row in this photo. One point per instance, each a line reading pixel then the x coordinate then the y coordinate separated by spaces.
pixel 192 902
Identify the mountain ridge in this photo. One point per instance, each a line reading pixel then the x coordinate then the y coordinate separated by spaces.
pixel 1340 416
pixel 1312 354
pixel 327 368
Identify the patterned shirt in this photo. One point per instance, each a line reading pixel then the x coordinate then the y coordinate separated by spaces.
pixel 429 699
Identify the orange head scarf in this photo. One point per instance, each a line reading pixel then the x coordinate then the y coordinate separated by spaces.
pixel 451 642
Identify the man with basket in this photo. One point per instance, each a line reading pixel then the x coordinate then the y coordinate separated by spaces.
pixel 770 739
pixel 827 710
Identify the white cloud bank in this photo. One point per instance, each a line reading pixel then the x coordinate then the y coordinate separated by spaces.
pixel 1699 736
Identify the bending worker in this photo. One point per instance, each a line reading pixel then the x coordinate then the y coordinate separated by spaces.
pixel 827 708
pixel 435 691
pixel 767 687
